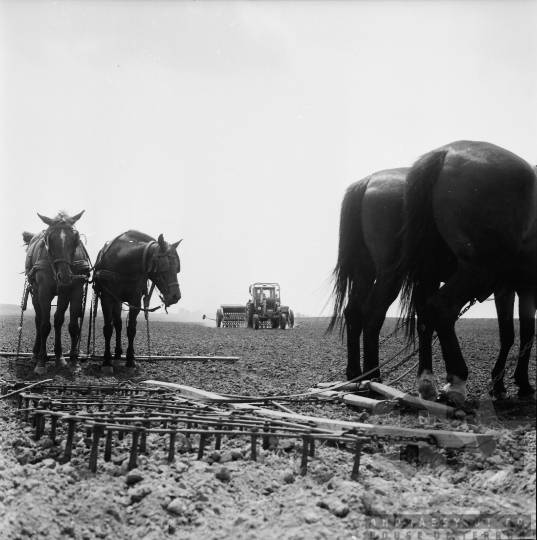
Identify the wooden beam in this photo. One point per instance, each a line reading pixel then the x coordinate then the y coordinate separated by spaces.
pixel 373 405
pixel 464 441
pixel 141 357
pixel 437 409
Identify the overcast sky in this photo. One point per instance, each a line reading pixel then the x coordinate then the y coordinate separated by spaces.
pixel 237 126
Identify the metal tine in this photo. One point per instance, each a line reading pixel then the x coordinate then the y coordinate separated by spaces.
pixel 98 431
pixel 71 424
pixel 108 444
pixel 53 424
pixel 356 467
pixel 218 441
pixel 134 448
pixel 173 434
pixel 254 444
pixel 266 429
pixel 312 447
pixel 203 439
pixel 304 462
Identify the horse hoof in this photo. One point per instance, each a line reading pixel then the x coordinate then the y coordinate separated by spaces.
pixel 498 396
pixel 130 370
pixel 60 362
pixel 107 369
pixel 40 370
pixel 427 387
pixel 451 399
pixel 74 367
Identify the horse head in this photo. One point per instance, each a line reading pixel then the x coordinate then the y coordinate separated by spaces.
pixel 61 241
pixel 164 271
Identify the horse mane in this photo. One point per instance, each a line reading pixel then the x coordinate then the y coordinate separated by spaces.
pixel 27 237
pixel 351 249
pixel 137 235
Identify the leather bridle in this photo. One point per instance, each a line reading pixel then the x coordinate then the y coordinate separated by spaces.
pixel 61 225
pixel 153 268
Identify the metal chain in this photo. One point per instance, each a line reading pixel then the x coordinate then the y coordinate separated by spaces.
pixel 148 336
pixel 95 304
pixel 23 301
pixel 411 355
pixel 79 338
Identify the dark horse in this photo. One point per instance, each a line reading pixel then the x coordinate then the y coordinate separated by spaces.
pixel 470 221
pixel 121 272
pixel 56 264
pixel 370 244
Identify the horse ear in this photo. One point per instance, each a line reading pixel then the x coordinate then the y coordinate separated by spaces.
pixel 176 244
pixel 74 219
pixel 161 242
pixel 45 219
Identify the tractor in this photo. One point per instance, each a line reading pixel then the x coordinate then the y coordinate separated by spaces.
pixel 263 310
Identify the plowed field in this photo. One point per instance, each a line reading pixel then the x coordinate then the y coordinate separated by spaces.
pixel 42 498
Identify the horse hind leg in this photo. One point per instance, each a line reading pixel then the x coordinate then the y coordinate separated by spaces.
pixel 383 294
pixel 354 323
pixel 445 306
pixel 527 308
pixel 504 310
pixel 116 314
pixel 426 382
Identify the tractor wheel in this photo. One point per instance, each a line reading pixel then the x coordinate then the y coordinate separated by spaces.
pixel 219 317
pixel 256 321
pixel 250 317
pixel 283 321
pixel 291 319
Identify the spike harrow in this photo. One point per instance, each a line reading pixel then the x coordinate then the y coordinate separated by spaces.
pixel 108 414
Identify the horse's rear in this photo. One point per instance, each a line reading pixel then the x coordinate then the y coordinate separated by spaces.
pixel 122 270
pixel 470 221
pixel 369 244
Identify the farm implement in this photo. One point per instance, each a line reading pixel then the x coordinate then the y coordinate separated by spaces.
pixel 263 310
pixel 189 421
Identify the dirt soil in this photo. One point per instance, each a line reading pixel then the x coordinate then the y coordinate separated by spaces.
pixel 226 495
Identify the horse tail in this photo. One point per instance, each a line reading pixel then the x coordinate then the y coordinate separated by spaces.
pixel 351 248
pixel 421 238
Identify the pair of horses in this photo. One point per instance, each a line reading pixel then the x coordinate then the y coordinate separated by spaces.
pixel 57 264
pixel 458 226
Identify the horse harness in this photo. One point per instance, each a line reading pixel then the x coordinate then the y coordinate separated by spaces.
pixel 158 263
pixel 79 267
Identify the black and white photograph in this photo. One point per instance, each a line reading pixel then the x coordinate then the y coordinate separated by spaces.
pixel 268 269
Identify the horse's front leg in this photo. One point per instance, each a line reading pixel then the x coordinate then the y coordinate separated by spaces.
pixel 38 318
pixel 75 315
pixel 45 299
pixel 131 334
pixel 59 318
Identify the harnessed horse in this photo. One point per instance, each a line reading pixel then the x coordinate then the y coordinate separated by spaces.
pixel 370 244
pixel 122 270
pixel 470 221
pixel 56 264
